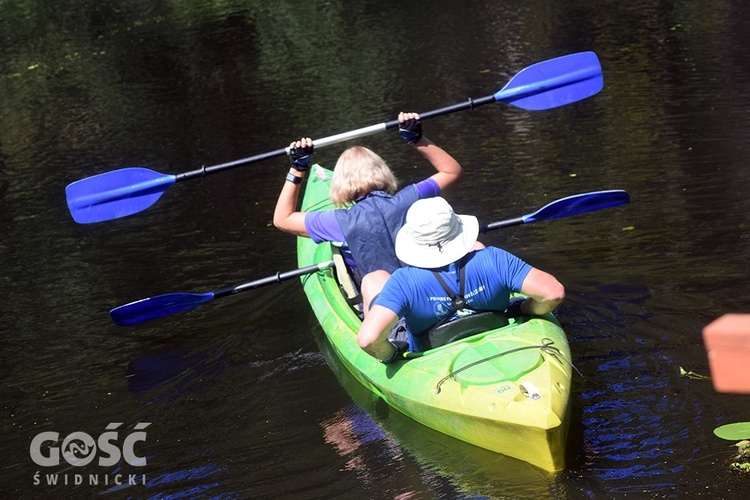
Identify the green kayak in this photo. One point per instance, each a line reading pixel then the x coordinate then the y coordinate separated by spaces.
pixel 506 389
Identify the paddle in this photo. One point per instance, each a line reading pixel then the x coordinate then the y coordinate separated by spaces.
pixel 127 191
pixel 565 207
pixel 172 303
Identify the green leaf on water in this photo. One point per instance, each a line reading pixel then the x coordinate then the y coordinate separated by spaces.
pixel 734 432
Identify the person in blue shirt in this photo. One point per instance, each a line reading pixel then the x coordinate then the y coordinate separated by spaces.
pixel 439 245
pixel 371 210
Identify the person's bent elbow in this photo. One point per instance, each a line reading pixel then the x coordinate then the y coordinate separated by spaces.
pixel 373 333
pixel 548 302
pixel 368 341
pixel 556 296
pixel 545 292
pixel 293 223
pixel 365 343
pixel 280 222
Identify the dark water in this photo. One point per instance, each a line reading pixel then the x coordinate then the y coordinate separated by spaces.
pixel 240 397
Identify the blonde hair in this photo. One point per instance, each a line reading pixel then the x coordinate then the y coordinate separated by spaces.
pixel 359 171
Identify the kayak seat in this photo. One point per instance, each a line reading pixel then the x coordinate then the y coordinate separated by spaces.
pixel 346 283
pixel 463 328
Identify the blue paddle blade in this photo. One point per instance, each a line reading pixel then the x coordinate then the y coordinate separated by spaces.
pixel 115 194
pixel 157 307
pixel 554 83
pixel 578 204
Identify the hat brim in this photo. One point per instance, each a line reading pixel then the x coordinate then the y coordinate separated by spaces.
pixel 430 256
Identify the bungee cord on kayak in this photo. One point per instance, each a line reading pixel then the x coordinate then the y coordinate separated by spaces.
pixel 546 346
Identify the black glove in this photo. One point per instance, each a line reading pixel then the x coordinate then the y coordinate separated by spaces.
pixel 411 130
pixel 300 158
pixel 514 309
pixel 401 347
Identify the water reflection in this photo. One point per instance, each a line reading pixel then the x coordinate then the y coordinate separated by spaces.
pixel 351 429
pixel 370 433
pixel 192 482
pixel 181 372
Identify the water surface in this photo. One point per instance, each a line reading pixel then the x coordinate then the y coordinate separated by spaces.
pixel 242 394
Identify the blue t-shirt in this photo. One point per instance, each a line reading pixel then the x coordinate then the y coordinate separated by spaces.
pixel 416 295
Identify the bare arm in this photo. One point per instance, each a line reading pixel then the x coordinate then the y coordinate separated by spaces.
pixel 285 215
pixel 449 171
pixel 544 291
pixel 373 334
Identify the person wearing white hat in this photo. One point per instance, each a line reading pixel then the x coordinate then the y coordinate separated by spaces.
pixel 449 270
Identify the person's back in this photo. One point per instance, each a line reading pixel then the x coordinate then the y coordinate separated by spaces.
pixel 370 229
pixel 491 275
pixel 442 243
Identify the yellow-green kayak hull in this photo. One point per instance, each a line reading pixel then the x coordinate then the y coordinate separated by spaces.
pixel 506 390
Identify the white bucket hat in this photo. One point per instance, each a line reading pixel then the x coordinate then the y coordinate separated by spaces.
pixel 434 236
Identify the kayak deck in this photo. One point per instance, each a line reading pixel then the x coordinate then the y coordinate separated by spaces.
pixel 506 390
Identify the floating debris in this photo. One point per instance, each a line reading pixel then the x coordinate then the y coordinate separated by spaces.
pixel 741 462
pixel 693 375
pixel 738 431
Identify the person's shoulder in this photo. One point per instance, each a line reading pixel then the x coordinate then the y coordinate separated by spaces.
pixel 397 284
pixel 323 226
pixel 408 190
pixel 401 273
pixel 493 254
pixel 503 259
pixel 405 274
pixel 320 217
pixel 485 253
pixel 490 250
pixel 427 188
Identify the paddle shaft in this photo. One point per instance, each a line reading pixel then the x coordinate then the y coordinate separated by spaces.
pixel 545 85
pixel 172 303
pixel 509 95
pixel 276 278
pixel 483 228
pixel 333 139
pixel 164 305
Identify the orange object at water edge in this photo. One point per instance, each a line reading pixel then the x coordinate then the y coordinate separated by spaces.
pixel 727 341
